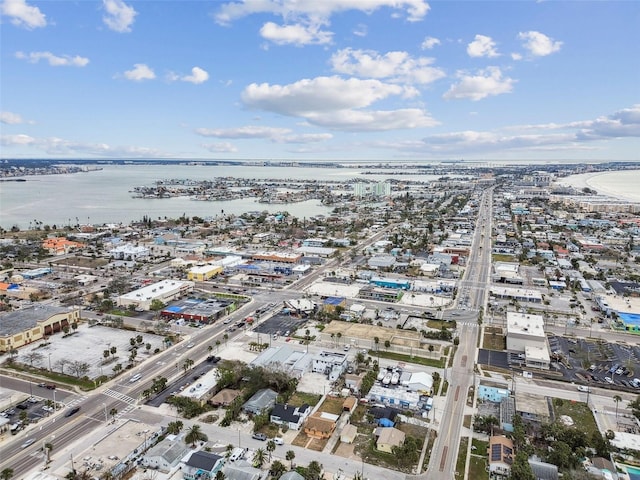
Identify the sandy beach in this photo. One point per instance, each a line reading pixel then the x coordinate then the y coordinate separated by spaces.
pixel 622 184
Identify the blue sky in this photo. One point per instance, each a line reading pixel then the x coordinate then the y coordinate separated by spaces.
pixel 397 80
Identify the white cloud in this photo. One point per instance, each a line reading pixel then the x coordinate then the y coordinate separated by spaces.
pixel 487 82
pixel 60 146
pixel 23 15
pixel 314 9
pixel 198 76
pixel 10 118
pixel 249 131
pixel 16 140
pixel 360 30
pixel 623 123
pixel 139 73
pixel 429 42
pixel 119 16
pixel 297 34
pixel 336 103
pixel 222 147
pixel 482 46
pixel 396 66
pixel 516 56
pixel 54 60
pixel 538 44
pixel 275 134
pixel 577 135
pixel 373 120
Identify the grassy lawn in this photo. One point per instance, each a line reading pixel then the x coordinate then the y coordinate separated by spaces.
pixel 300 398
pixel 438 324
pixel 332 405
pixel 461 462
pixel 494 340
pixel 301 440
pixel 579 412
pixel 431 362
pixel 481 446
pixel 318 444
pixel 478 468
pixel 53 377
pixel 445 387
pixel 497 257
pixel 467 421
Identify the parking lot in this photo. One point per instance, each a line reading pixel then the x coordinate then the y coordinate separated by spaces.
pixel 596 361
pixel 584 361
pixel 88 345
pixel 280 324
pixel 28 411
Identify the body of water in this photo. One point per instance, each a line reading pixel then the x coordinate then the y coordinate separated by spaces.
pixel 621 184
pixel 634 472
pixel 104 196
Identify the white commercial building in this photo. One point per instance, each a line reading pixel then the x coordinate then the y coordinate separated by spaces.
pixel 164 291
pixel 526 336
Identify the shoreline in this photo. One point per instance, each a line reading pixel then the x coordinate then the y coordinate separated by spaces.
pixel 590 180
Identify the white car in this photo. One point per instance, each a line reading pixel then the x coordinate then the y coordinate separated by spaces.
pixel 608 379
pixel 278 441
pixel 583 388
pixel 47 408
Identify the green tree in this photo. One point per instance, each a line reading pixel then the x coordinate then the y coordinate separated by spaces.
pixel 617 399
pixel 259 457
pixel 195 434
pixel 521 469
pixel 289 456
pixel 220 475
pixel 156 305
pixel 173 428
pixel 277 469
pixel 313 471
pixel 113 412
pixel 271 446
pixel 387 344
pixel 6 474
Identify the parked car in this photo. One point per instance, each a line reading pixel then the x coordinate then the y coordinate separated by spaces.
pixel 278 441
pixel 608 379
pixel 259 436
pixel 583 388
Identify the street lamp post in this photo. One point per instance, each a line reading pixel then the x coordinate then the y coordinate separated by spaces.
pixel 49 361
pixel 106 419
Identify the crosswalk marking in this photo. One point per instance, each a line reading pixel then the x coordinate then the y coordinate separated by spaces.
pixel 120 396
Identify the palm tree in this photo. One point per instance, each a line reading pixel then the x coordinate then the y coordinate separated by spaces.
pixel 174 428
pixel 277 469
pixel 6 474
pixel 617 399
pixel 259 458
pixel 290 456
pixel 220 475
pixel 376 340
pixel 271 446
pixel 113 412
pixel 194 435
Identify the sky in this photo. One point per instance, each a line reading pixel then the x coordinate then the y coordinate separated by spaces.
pixel 384 80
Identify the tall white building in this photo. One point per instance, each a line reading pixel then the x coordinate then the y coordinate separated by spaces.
pixel 380 189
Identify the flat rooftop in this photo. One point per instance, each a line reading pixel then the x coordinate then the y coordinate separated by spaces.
pixel 18 321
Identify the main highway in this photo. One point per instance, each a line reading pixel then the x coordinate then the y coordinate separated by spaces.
pixel 471 299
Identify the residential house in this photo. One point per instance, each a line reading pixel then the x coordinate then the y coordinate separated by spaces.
pixel 353 382
pixel 320 425
pixel 349 433
pixel 293 417
pixel 165 454
pixel 501 456
pixel 202 466
pixel 388 437
pixel 242 470
pixel 260 402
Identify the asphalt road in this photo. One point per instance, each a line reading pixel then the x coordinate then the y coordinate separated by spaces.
pixel 472 296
